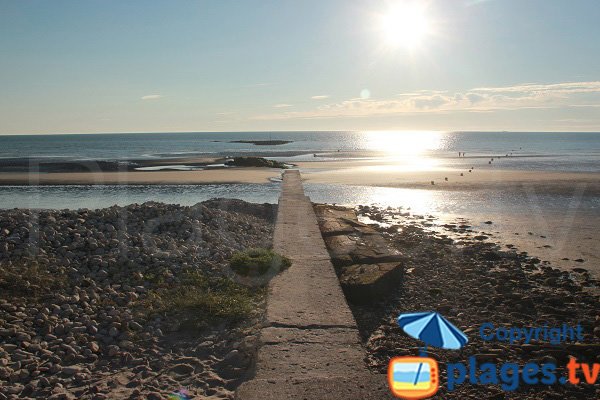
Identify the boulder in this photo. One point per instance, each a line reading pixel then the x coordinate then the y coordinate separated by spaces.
pixel 366 283
pixel 370 249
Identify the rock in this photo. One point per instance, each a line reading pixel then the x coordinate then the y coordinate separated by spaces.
pixel 94 347
pixel 182 369
pixel 113 350
pixel 71 370
pixel 126 344
pixel 154 396
pixel 134 326
pixel 366 283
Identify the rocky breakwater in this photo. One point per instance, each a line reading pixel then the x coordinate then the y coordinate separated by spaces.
pixel 127 302
pixel 367 266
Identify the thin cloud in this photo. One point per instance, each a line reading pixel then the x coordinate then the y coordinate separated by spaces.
pixel 282 105
pixel 320 97
pixel 260 84
pixel 152 97
pixel 481 99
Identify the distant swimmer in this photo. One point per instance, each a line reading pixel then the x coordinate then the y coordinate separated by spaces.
pixel 446 179
pixel 432 182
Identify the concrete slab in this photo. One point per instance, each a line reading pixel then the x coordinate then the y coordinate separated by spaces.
pixel 373 387
pixel 310 347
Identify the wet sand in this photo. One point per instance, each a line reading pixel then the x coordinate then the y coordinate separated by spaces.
pixel 237 175
pixel 390 174
pixel 354 172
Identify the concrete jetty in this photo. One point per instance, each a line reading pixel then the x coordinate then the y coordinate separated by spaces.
pixel 310 347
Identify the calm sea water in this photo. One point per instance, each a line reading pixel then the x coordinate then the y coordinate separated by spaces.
pixel 421 201
pixel 531 151
pixel 571 151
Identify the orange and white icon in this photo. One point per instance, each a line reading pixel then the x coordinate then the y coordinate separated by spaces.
pixel 413 377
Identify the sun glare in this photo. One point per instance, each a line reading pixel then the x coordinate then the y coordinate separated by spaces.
pixel 404 143
pixel 405 25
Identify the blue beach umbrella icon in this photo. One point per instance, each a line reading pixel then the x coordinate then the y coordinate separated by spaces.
pixel 433 329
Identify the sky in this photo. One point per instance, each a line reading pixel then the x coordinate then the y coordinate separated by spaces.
pixel 222 65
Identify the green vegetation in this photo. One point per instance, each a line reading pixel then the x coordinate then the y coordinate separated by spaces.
pixel 256 262
pixel 29 279
pixel 255 162
pixel 199 300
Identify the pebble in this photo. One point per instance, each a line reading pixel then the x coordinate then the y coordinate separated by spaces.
pixel 86 329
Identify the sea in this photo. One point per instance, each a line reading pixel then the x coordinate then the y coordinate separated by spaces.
pixel 533 151
pixel 552 151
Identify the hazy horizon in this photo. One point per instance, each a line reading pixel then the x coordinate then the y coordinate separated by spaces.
pixel 290 131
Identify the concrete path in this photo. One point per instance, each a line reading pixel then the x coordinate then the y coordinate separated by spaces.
pixel 310 348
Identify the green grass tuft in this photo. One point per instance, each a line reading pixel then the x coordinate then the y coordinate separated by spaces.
pixel 257 262
pixel 199 300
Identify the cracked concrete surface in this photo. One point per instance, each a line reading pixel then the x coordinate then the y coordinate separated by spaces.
pixel 310 347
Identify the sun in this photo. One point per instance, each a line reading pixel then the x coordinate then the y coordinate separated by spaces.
pixel 405 25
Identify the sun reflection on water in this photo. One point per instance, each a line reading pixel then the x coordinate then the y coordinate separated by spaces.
pixel 416 200
pixel 404 143
pixel 406 150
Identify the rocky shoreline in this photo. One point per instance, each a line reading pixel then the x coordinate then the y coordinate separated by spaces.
pixel 461 273
pixel 131 302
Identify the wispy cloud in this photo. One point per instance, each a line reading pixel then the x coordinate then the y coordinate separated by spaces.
pixel 260 84
pixel 320 97
pixel 283 105
pixel 152 97
pixel 481 99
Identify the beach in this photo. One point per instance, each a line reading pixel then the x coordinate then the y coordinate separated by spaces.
pixel 552 213
pixel 380 173
pixel 128 302
pixel 246 175
pixel 474 280
pixel 131 265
